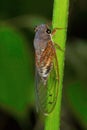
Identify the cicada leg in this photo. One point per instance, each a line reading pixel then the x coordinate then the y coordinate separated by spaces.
pixel 55 29
pixel 58 47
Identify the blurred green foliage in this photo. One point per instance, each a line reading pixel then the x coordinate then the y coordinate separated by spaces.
pixel 76 80
pixel 9 8
pixel 77 99
pixel 16 78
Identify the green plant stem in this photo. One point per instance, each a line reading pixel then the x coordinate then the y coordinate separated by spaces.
pixel 60 16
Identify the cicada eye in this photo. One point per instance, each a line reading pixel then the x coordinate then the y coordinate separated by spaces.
pixel 48 31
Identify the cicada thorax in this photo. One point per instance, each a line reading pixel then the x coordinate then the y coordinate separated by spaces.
pixel 44 61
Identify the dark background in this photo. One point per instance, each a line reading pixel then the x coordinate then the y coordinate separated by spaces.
pixel 17 101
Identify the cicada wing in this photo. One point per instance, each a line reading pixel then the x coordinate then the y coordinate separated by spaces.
pixel 40 91
pixel 46 94
pixel 36 84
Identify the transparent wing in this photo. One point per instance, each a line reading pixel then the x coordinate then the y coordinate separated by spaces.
pixel 46 95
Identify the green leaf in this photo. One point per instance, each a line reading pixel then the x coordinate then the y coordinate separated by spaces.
pixel 16 82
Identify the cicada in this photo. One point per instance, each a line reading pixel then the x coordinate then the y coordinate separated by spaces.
pixel 46 69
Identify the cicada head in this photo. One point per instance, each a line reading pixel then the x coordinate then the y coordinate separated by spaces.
pixel 42 36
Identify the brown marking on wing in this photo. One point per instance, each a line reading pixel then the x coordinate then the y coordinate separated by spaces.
pixel 45 58
pixel 47 55
pixel 44 61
